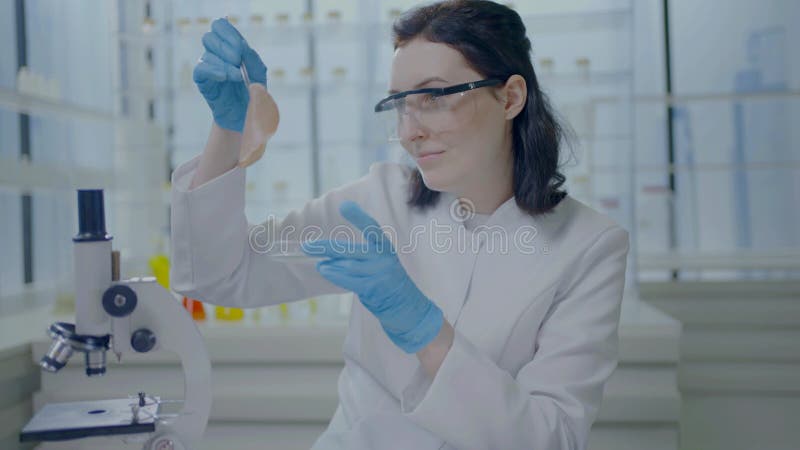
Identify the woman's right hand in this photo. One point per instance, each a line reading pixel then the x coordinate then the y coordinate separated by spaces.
pixel 219 78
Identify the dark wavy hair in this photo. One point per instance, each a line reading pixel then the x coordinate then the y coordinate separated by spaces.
pixel 493 40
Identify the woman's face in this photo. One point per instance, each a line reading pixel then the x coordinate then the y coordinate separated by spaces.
pixel 474 144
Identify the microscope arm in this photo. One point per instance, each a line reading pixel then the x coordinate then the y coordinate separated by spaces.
pixel 158 322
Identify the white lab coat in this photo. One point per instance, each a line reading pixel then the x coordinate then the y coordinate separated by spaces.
pixel 535 331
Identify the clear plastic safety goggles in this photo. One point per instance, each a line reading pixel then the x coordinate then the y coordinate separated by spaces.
pixel 436 109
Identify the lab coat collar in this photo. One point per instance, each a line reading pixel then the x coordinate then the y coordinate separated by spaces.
pixel 508 213
pixel 454 270
pixel 475 276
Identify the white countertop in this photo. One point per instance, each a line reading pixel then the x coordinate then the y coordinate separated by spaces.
pixel 302 363
pixel 645 335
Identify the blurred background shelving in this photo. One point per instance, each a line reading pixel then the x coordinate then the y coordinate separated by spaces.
pixel 697 174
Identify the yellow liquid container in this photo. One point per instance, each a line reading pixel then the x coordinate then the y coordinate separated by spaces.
pixel 228 314
pixel 159 264
pixel 284 310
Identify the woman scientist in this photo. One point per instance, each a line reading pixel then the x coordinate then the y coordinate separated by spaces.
pixel 489 299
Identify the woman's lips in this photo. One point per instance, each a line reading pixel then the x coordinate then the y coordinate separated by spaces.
pixel 429 156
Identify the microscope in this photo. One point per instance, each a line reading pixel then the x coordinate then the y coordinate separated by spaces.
pixel 136 315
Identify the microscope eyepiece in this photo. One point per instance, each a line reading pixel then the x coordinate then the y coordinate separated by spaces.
pixel 91 216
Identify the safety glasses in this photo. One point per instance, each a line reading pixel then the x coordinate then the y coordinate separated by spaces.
pixel 437 109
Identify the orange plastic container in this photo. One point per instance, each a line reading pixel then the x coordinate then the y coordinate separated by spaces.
pixel 195 307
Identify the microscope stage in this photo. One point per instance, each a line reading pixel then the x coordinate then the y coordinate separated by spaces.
pixel 75 420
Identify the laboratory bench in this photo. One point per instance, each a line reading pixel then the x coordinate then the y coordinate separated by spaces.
pixel 275 386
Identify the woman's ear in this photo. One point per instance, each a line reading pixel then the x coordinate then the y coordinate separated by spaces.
pixel 516 94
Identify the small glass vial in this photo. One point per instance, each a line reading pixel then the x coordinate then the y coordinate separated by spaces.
pixel 257 20
pixel 300 312
pixel 583 68
pixel 270 315
pixel 335 16
pixel 547 65
pixel 226 314
pixel 184 24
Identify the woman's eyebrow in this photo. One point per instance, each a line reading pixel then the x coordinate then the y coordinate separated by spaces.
pixel 420 84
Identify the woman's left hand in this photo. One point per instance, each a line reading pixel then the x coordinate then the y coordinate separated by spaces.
pixel 372 270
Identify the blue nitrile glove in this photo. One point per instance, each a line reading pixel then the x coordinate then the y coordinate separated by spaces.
pixel 219 78
pixel 372 270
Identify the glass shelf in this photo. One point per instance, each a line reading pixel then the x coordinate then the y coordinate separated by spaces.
pixel 275 87
pixel 29 176
pixel 537 25
pixel 571 22
pixel 289 146
pixel 720 260
pixel 40 106
pixel 584 78
pixel 272 34
pixel 701 167
pixel 280 87
pixel 698 98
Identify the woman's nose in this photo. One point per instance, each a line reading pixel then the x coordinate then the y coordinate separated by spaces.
pixel 409 127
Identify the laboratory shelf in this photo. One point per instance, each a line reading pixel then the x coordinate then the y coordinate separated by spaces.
pixel 702 98
pixel 589 77
pixel 604 136
pixel 787 259
pixel 571 22
pixel 28 176
pixel 267 34
pixel 39 106
pixel 701 167
pixel 289 147
pixel 537 24
pixel 331 87
pixel 277 87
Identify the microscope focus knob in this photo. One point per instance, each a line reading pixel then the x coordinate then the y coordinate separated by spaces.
pixel 143 340
pixel 119 300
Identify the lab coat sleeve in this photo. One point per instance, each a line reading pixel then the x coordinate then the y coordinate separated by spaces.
pixel 218 256
pixel 552 402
